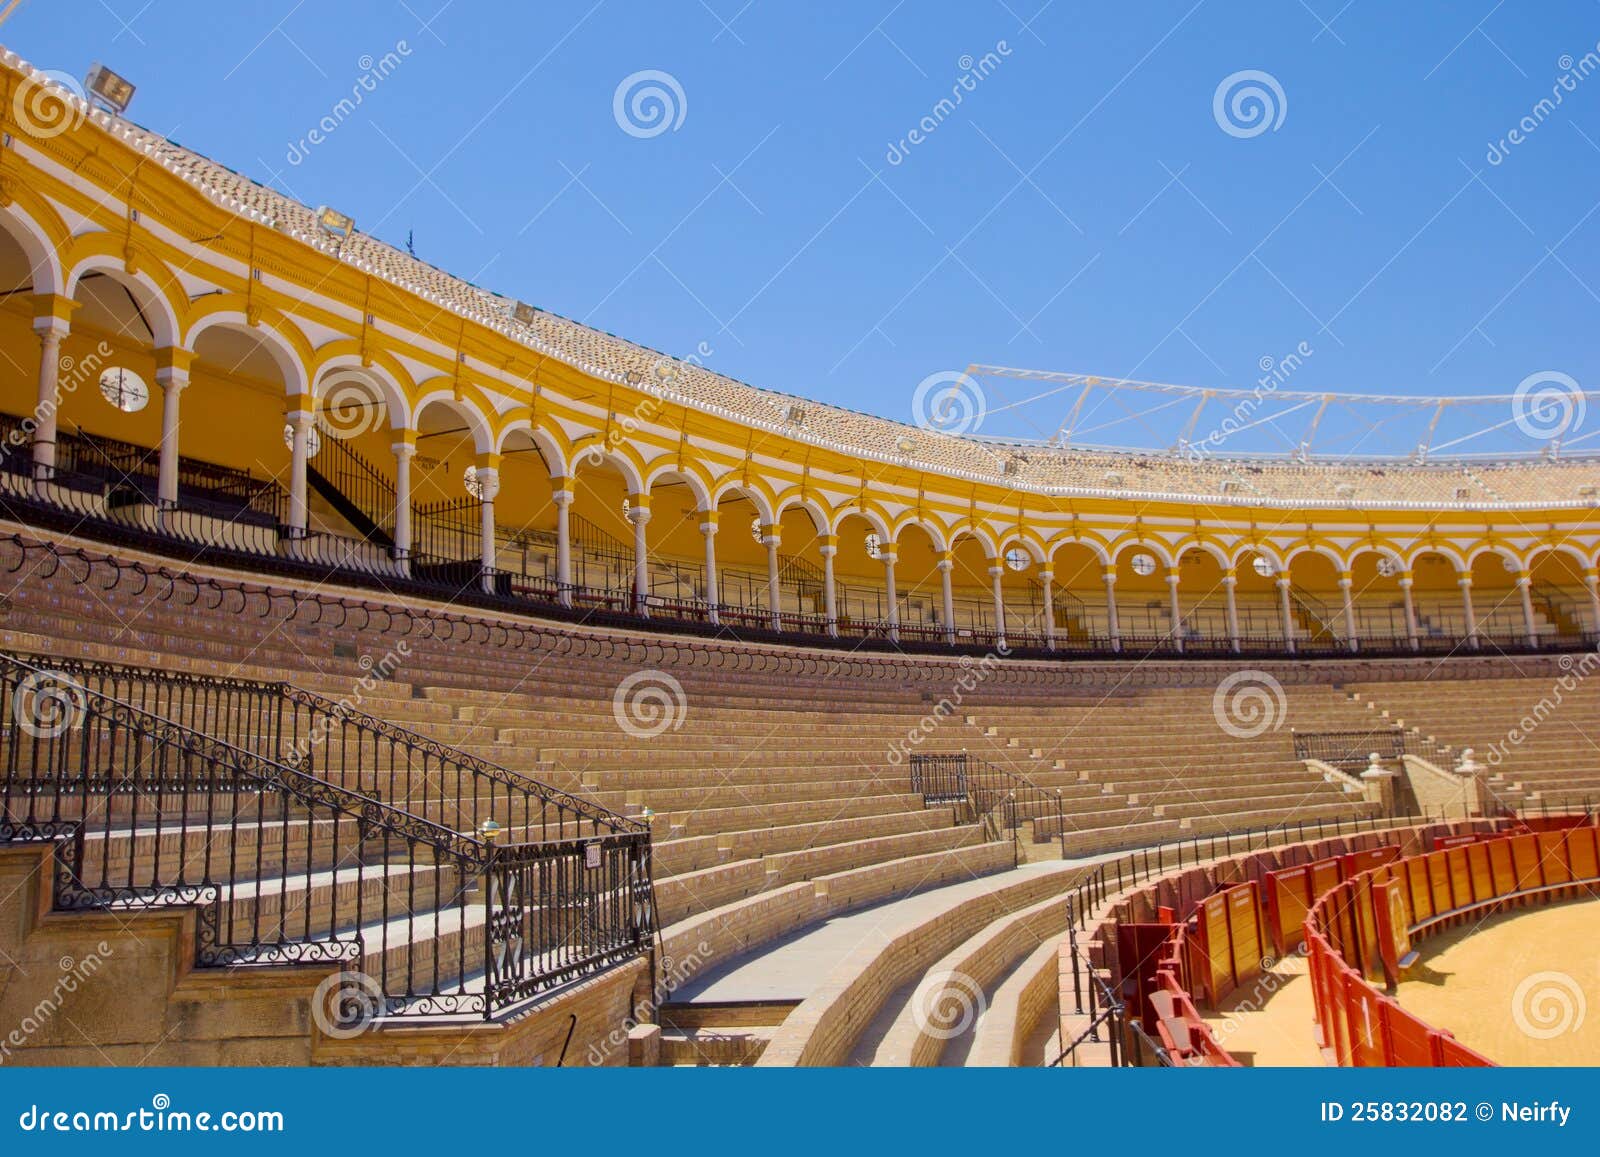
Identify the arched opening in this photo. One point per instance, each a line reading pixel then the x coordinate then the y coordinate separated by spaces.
pixel 1259 603
pixel 743 583
pixel 1497 600
pixel 1078 595
pixel 1316 602
pixel 861 578
pixel 1203 600
pixel 1379 600
pixel 1437 595
pixel 1144 607
pixel 1561 593
pixel 921 583
pixel 973 601
pixel 603 563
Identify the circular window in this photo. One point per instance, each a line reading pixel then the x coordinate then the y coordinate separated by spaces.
pixel 755 528
pixel 124 389
pixel 469 479
pixel 1386 566
pixel 1511 565
pixel 1144 564
pixel 313 440
pixel 1261 566
pixel 874 546
pixel 1017 558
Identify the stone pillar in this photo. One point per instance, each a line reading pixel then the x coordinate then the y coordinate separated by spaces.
pixel 1379 783
pixel 770 539
pixel 300 420
pixel 639 515
pixel 1347 593
pixel 947 596
pixel 488 488
pixel 1525 589
pixel 1045 579
pixel 890 594
pixel 1467 609
pixel 1286 606
pixel 405 449
pixel 172 375
pixel 830 597
pixel 1591 579
pixel 1411 610
pixel 51 323
pixel 1176 608
pixel 1230 581
pixel 562 496
pixel 709 529
pixel 1113 631
pixel 996 572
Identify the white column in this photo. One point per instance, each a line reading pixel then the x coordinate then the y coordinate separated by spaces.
pixel 770 539
pixel 300 433
pixel 947 597
pixel 403 453
pixel 488 487
pixel 1176 608
pixel 1229 582
pixel 563 500
pixel 996 572
pixel 1591 579
pixel 1468 610
pixel 172 380
pixel 1112 629
pixel 1046 578
pixel 890 593
pixel 709 529
pixel 1347 592
pixel 639 515
pixel 830 597
pixel 1525 589
pixel 1287 608
pixel 1411 611
pixel 50 330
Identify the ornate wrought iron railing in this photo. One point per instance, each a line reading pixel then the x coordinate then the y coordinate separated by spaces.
pixel 287 866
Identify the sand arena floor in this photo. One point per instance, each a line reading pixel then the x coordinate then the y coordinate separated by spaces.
pixel 1516 987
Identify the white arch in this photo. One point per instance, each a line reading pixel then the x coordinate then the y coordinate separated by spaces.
pixel 1094 545
pixel 1538 551
pixel 43 263
pixel 1163 555
pixel 819 516
pixel 1016 536
pixel 1333 556
pixel 1274 559
pixel 153 303
pixel 347 368
pixel 1391 553
pixel 288 362
pixel 697 487
pixel 550 451
pixel 757 499
pixel 933 531
pixel 1449 553
pixel 1500 549
pixel 598 453
pixel 482 436
pixel 879 527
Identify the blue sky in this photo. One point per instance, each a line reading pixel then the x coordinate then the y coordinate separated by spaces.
pixel 1082 208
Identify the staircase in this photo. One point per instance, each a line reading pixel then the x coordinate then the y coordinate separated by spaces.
pixel 301 831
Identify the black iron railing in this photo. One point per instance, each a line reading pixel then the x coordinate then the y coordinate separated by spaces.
pixel 1001 800
pixel 1350 751
pixel 1092 996
pixel 939 779
pixel 337 741
pixel 288 865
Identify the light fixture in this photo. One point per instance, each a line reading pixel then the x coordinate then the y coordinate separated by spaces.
pixel 334 223
pixel 107 89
